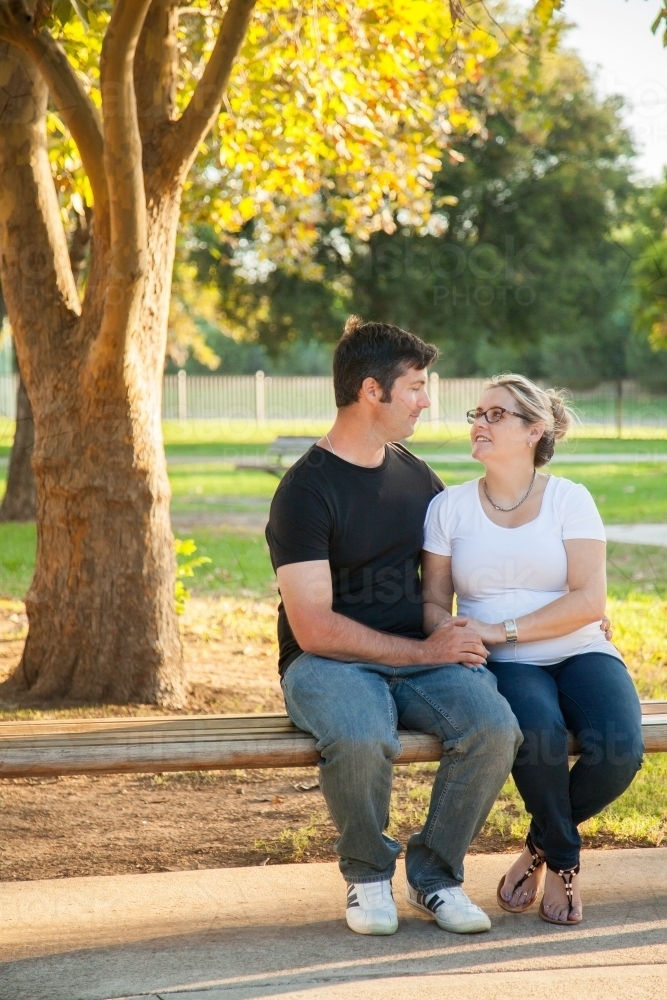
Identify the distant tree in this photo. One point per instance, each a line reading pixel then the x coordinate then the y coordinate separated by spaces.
pixel 647 243
pixel 521 264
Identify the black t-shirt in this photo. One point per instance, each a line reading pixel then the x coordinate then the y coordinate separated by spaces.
pixel 369 525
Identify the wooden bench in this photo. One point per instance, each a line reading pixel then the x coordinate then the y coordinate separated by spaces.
pixel 201 742
pixel 283 447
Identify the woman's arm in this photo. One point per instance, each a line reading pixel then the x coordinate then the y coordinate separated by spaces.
pixel 584 604
pixel 437 589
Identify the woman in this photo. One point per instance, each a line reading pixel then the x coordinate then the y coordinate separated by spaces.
pixel 525 554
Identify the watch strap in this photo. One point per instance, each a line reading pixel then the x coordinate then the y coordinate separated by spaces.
pixel 511 634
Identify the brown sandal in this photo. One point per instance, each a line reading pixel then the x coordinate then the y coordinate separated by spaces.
pixel 567 875
pixel 536 863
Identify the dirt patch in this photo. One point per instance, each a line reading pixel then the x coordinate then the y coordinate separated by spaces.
pixel 106 825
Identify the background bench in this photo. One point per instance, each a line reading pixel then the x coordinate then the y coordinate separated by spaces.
pixel 201 742
pixel 287 447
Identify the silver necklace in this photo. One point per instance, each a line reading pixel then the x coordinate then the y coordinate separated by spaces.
pixel 506 510
pixel 330 445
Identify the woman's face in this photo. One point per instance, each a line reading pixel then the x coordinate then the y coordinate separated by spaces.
pixel 509 439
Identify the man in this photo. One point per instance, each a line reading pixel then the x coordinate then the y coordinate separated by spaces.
pixel 345 534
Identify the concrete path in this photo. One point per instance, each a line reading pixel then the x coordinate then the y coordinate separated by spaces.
pixel 594 458
pixel 637 534
pixel 279 932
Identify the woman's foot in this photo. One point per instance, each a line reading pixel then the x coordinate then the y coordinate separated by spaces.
pixel 526 893
pixel 555 904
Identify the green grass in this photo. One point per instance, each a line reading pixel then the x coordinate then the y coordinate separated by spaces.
pixel 639 816
pixel 573 446
pixel 636 570
pixel 240 564
pixel 625 494
pixel 17 558
pixel 190 483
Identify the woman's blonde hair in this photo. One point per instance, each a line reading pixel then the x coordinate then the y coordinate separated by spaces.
pixel 535 404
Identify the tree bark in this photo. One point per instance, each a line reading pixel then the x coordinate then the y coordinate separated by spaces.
pixel 20 500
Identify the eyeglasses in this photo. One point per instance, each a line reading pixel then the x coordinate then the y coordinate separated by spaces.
pixel 492 415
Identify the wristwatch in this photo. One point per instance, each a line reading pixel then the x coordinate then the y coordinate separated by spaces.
pixel 511 634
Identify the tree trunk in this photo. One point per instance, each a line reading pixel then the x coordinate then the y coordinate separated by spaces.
pixel 102 621
pixel 105 562
pixel 19 502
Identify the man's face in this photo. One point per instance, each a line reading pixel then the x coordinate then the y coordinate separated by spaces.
pixel 408 398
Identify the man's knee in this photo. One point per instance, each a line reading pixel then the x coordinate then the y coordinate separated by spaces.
pixel 496 727
pixel 361 747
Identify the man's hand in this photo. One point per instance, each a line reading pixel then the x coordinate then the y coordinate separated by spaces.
pixel 605 626
pixel 455 641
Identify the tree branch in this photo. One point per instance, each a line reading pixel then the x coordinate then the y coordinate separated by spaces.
pixel 156 66
pixel 205 103
pixel 37 281
pixel 127 200
pixel 77 110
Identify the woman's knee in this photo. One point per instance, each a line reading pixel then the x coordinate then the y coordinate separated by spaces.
pixel 618 744
pixel 545 740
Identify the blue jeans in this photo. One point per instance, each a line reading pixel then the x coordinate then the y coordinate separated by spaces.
pixel 353 709
pixel 592 695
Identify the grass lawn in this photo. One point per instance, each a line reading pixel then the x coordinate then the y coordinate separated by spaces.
pixel 625 493
pixel 240 567
pixel 220 437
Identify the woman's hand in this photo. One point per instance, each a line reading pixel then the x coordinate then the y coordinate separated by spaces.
pixel 491 635
pixel 605 626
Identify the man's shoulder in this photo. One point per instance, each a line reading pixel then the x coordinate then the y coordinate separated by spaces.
pixel 402 452
pixel 416 464
pixel 307 472
pixel 304 482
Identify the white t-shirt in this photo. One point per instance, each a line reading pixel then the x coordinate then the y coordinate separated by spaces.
pixel 501 573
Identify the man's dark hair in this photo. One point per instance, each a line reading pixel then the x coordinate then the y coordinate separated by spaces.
pixel 379 351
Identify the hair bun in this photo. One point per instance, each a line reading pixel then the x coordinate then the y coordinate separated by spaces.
pixel 558 398
pixel 353 323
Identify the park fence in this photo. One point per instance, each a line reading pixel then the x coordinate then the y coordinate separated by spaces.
pixel 610 407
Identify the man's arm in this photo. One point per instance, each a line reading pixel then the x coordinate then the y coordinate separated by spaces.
pixel 307 595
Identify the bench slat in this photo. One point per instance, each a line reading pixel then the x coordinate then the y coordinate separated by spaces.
pixel 252 722
pixel 205 746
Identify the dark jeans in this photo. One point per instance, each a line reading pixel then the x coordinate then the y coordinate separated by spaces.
pixel 592 695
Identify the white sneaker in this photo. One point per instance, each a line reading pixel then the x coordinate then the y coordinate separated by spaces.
pixel 452 909
pixel 371 908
